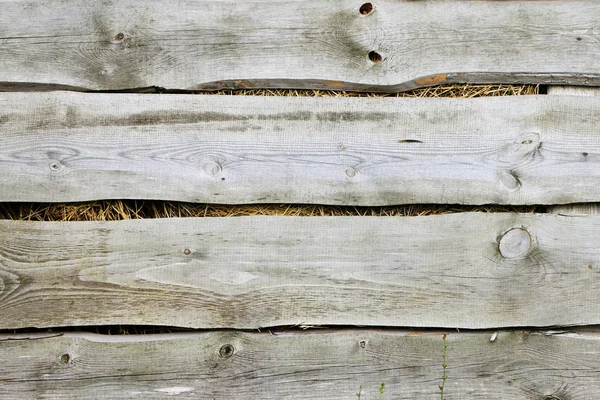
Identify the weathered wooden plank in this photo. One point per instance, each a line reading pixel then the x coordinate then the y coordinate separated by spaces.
pixel 573 91
pixel 334 44
pixel 588 208
pixel 468 270
pixel 327 365
pixel 61 147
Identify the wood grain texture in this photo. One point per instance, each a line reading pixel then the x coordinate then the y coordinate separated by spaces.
pixel 327 365
pixel 63 147
pixel 467 270
pixel 301 44
pixel 573 91
pixel 587 208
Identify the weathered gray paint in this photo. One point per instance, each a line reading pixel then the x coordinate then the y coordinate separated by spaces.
pixel 318 44
pixel 62 147
pixel 467 270
pixel 327 364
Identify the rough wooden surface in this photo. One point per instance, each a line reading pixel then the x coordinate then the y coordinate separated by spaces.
pixel 204 44
pixel 589 208
pixel 62 147
pixel 573 91
pixel 467 270
pixel 326 365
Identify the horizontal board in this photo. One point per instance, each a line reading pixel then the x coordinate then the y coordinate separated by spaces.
pixel 327 365
pixel 467 270
pixel 63 147
pixel 586 208
pixel 386 45
pixel 573 90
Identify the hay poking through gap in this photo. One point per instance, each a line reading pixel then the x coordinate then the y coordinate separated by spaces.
pixel 442 91
pixel 116 210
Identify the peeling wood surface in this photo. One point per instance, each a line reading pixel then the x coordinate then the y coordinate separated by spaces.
pixel 325 365
pixel 330 44
pixel 64 147
pixel 467 270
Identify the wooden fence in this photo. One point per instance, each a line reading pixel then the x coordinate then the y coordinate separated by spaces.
pixel 461 306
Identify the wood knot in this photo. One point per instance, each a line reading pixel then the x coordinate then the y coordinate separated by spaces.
pixel 375 56
pixel 55 166
pixel 212 168
pixel 515 243
pixel 226 351
pixel 366 9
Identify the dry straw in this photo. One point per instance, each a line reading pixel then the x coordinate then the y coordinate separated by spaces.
pixel 131 209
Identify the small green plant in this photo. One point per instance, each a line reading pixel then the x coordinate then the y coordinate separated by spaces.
pixel 381 389
pixel 444 366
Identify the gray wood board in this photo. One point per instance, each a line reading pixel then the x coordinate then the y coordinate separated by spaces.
pixel 64 147
pixel 585 208
pixel 215 44
pixel 466 270
pixel 327 365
